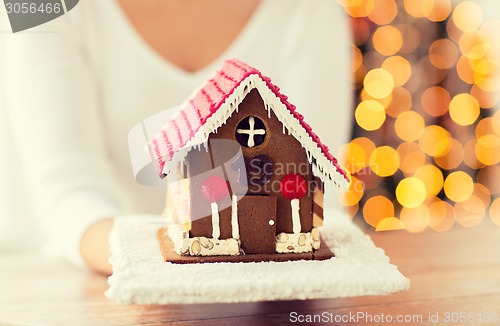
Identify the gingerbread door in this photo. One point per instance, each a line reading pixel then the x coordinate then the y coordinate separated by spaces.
pixel 257 224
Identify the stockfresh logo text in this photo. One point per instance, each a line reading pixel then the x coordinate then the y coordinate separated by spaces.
pixel 25 14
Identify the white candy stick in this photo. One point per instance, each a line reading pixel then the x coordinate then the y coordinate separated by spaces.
pixel 296 216
pixel 234 218
pixel 215 221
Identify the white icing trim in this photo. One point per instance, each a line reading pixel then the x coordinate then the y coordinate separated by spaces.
pixel 321 166
pixel 295 203
pixel 215 221
pixel 235 227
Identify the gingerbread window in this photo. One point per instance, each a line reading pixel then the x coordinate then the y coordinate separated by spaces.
pixel 251 132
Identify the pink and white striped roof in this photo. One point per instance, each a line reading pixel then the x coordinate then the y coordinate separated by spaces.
pixel 195 112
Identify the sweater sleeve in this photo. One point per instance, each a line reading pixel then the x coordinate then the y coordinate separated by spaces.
pixel 55 116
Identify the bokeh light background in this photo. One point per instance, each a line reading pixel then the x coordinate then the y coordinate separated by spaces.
pixel 425 150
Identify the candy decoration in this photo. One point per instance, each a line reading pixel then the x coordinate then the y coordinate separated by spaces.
pixel 294 187
pixel 215 190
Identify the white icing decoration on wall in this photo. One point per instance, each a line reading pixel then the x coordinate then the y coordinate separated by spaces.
pixel 215 221
pixel 295 215
pixel 251 132
pixel 235 227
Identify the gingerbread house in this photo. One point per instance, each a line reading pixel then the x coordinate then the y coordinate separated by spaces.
pixel 249 174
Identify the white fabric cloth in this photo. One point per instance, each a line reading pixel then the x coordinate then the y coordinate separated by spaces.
pixel 76 86
pixel 141 276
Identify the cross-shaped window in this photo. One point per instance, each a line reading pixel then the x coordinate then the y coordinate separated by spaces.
pixel 251 132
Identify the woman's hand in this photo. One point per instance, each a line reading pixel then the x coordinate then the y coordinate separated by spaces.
pixel 95 246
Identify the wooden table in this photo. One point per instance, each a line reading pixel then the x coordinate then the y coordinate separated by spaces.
pixel 452 272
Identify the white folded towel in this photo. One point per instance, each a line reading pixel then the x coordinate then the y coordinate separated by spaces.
pixel 141 276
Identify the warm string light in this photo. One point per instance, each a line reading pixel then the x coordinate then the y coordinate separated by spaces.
pixel 426 147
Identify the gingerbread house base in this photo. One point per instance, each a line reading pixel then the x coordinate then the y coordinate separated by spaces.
pixel 169 255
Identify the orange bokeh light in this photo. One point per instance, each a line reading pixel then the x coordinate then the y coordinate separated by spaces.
pixel 386 101
pixel 442 215
pixel 435 140
pixel 474 45
pixel 358 8
pixel 409 126
pixel 453 31
pixel 416 8
pixel 458 186
pixel 471 211
pixel 411 192
pixel 467 16
pixel 357 58
pixel 399 68
pixel 432 177
pixel 384 161
pixel 489 176
pixel 415 219
pixel 353 157
pixel 443 54
pixel 384 12
pixel 495 211
pixel 376 209
pixel 389 224
pixel 370 115
pixel 387 40
pixel 353 195
pixel 464 109
pixel 464 70
pixel 495 123
pixel 411 156
pixel 485 127
pixel 435 101
pixel 487 149
pixel 411 38
pixel 486 99
pixel 367 145
pixel 453 158
pixel 360 31
pixel 401 102
pixel 438 11
pixel 470 158
pixel 378 83
pixel 467 218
